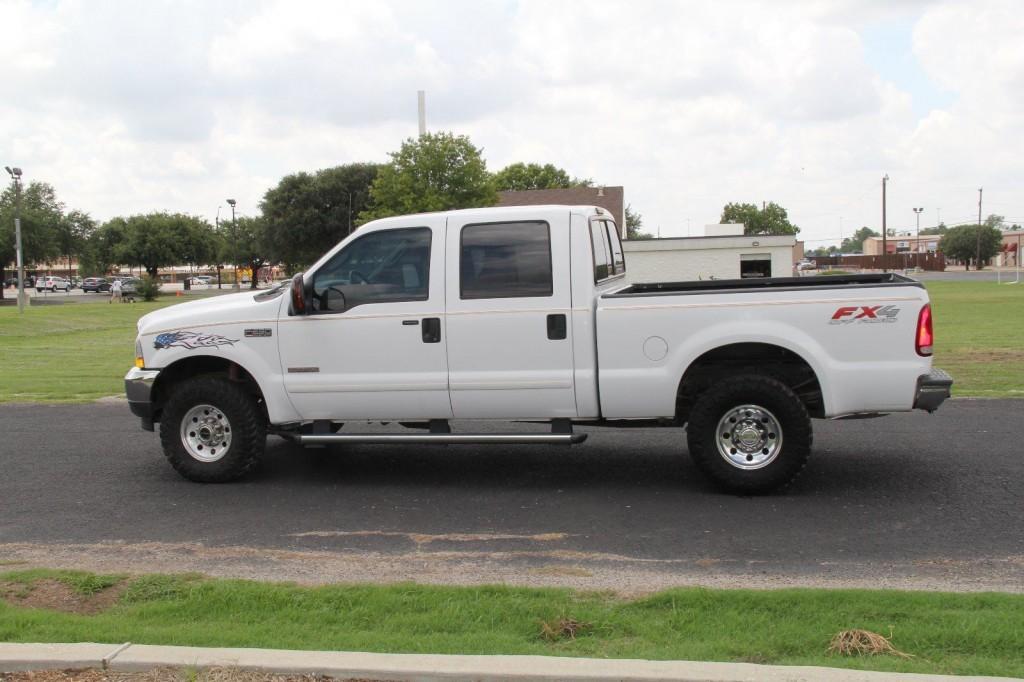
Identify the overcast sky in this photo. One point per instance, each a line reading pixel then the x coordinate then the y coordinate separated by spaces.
pixel 149 105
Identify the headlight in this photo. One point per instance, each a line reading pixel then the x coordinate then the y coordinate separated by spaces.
pixel 139 361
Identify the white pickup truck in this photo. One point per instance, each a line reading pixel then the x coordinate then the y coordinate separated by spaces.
pixel 522 313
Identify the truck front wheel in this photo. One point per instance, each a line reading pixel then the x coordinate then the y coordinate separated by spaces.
pixel 749 434
pixel 212 430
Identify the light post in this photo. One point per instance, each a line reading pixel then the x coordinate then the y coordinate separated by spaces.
pixel 917 244
pixel 234 241
pixel 349 195
pixel 216 222
pixel 15 174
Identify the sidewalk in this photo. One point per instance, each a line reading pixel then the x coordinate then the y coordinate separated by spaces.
pixel 425 667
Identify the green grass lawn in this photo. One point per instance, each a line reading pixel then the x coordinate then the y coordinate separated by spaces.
pixel 68 353
pixel 979 336
pixel 79 352
pixel 979 634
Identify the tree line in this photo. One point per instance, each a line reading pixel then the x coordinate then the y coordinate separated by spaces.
pixel 299 219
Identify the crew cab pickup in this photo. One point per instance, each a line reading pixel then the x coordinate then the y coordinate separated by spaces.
pixel 524 313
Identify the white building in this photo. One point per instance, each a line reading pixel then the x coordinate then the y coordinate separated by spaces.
pixel 724 252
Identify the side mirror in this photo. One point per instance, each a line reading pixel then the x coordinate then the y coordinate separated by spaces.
pixel 298 293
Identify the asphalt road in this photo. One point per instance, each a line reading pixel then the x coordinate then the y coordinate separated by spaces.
pixel 913 499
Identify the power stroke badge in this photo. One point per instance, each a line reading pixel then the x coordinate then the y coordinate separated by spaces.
pixel 865 314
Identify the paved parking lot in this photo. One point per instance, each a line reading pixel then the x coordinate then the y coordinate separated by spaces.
pixel 908 500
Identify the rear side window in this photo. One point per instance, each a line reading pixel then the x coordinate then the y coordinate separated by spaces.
pixel 505 260
pixel 618 260
pixel 602 252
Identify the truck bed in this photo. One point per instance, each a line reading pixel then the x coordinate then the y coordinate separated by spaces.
pixel 723 286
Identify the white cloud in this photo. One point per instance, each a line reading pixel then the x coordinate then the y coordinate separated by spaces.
pixel 130 107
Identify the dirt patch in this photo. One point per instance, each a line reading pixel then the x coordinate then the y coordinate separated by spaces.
pixel 990 355
pixel 54 595
pixel 165 675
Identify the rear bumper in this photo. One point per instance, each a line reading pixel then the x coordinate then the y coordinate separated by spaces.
pixel 138 387
pixel 932 389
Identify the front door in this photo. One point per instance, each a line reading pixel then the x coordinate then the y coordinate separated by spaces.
pixel 373 347
pixel 508 305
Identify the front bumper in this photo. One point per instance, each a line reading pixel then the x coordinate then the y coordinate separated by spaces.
pixel 932 389
pixel 138 387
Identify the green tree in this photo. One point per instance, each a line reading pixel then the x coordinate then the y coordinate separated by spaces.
pixel 247 245
pixel 72 234
pixel 770 219
pixel 437 172
pixel 308 213
pixel 938 229
pixel 157 240
pixel 41 213
pixel 855 243
pixel 961 243
pixel 634 223
pixel 525 176
pixel 100 252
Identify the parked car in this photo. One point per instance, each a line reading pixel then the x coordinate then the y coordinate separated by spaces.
pixel 523 314
pixel 95 284
pixel 129 285
pixel 201 279
pixel 52 283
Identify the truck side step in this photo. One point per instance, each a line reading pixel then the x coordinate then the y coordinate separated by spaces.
pixel 436 438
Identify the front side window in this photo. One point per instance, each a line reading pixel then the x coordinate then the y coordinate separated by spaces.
pixel 382 267
pixel 505 260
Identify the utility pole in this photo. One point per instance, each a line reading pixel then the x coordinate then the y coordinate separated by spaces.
pixel 234 241
pixel 421 101
pixel 15 174
pixel 885 233
pixel 977 255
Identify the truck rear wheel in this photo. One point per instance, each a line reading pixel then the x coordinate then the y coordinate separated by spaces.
pixel 749 434
pixel 212 430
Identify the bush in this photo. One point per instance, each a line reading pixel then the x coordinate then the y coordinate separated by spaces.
pixel 148 288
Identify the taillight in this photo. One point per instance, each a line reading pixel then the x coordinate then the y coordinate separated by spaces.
pixel 925 337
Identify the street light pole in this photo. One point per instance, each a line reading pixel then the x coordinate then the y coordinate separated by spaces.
pixel 918 212
pixel 234 241
pixel 15 174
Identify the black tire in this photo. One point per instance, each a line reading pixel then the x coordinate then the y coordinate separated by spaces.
pixel 241 411
pixel 791 449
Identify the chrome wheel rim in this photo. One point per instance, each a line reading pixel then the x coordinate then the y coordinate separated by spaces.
pixel 749 437
pixel 206 433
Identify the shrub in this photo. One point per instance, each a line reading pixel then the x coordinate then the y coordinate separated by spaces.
pixel 149 288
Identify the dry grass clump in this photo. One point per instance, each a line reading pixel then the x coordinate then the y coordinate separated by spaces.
pixel 863 643
pixel 562 628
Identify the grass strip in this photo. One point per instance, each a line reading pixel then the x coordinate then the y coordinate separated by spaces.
pixel 980 634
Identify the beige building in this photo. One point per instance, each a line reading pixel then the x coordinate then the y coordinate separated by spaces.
pixel 925 244
pixel 723 253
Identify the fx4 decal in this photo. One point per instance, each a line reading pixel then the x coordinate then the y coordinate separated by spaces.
pixel 191 340
pixel 870 314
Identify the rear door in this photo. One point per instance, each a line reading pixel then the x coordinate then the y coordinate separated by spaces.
pixel 508 305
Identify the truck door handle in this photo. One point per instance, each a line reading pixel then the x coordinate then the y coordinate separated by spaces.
pixel 431 330
pixel 556 327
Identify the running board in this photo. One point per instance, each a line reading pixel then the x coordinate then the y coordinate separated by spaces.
pixel 436 438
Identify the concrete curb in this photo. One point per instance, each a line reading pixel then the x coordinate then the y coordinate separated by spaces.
pixel 427 667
